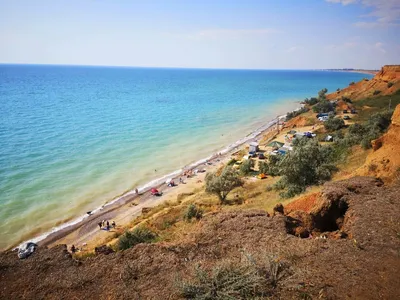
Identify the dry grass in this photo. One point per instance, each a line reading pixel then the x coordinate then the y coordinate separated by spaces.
pixel 354 161
pixel 248 278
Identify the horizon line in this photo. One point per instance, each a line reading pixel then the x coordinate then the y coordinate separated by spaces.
pixel 187 68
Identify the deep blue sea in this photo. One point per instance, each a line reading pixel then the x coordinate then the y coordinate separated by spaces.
pixel 74 137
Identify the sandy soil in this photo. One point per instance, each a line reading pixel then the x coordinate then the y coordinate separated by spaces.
pixel 353 253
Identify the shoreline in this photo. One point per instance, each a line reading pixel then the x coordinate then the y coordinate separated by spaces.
pixel 109 210
pixel 369 72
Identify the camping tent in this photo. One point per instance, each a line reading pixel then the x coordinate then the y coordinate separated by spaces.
pixel 275 144
pixel 253 147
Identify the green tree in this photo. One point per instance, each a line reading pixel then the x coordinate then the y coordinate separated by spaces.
pixel 272 166
pixel 307 164
pixel 323 106
pixel 222 184
pixel 247 167
pixel 333 124
pixel 322 94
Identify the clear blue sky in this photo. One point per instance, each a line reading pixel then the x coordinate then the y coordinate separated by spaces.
pixel 260 34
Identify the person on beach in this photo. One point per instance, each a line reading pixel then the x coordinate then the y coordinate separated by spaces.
pixel 108 225
pixel 113 224
pixel 100 224
pixel 73 249
pixel 137 191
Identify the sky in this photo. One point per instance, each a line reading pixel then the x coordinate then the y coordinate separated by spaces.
pixel 245 34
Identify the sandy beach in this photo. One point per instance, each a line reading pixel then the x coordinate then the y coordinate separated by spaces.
pixel 86 234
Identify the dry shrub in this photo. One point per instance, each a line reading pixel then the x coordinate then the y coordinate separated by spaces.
pixel 193 212
pixel 182 196
pixel 248 278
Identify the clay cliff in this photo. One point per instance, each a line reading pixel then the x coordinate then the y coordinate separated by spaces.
pixel 384 161
pixel 385 82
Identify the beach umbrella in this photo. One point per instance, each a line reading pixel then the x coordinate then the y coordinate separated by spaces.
pixel 275 144
pixel 154 191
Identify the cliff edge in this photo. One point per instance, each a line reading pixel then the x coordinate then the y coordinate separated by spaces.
pixel 385 82
pixel 384 161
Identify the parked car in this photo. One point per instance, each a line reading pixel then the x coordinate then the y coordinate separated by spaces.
pixel 323 119
pixel 252 154
pixel 261 155
pixel 345 111
pixel 26 249
pixel 353 111
pixel 346 118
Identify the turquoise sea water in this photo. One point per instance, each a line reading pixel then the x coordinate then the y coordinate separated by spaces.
pixel 72 138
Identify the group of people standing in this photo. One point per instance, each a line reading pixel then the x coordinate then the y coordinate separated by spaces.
pixel 106 224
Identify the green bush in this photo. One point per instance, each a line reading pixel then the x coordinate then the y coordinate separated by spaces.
pixel 380 121
pixel 295 113
pixel 390 84
pixel 231 162
pixel 322 94
pixel 292 190
pixel 309 163
pixel 246 167
pixel 222 184
pixel 311 101
pixel 364 134
pixel 333 124
pixel 193 212
pixel 270 167
pixel 139 235
pixel 352 83
pixel 323 107
pixel 376 92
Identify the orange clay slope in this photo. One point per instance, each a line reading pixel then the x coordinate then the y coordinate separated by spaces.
pixel 386 81
pixel 384 161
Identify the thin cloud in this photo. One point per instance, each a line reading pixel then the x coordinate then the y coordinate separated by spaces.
pixel 383 12
pixel 343 2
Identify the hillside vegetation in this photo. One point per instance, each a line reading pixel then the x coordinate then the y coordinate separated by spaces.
pixel 315 228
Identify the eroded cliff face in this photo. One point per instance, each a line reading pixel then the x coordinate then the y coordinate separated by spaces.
pixel 384 161
pixel 388 73
pixel 386 81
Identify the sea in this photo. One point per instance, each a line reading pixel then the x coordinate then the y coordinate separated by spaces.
pixel 73 138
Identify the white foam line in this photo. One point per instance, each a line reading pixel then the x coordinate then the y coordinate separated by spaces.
pixel 159 181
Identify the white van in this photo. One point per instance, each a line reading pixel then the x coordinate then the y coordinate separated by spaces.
pixel 323 119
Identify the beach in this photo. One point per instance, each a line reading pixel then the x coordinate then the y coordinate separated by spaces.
pixel 86 234
pixel 81 138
